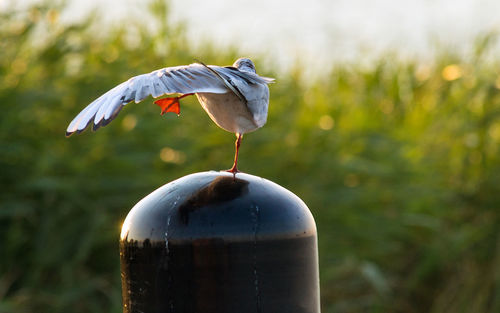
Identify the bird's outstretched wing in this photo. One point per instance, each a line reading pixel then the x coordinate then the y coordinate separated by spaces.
pixel 236 80
pixel 248 77
pixel 192 78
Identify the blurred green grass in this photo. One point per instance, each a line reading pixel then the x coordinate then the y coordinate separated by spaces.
pixel 399 163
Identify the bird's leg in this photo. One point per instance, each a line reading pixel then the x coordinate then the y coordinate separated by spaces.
pixel 171 104
pixel 237 144
pixel 185 95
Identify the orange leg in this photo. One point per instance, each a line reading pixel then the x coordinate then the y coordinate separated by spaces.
pixel 237 144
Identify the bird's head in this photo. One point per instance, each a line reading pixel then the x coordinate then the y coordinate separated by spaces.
pixel 244 64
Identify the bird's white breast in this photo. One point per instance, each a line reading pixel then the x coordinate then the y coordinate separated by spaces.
pixel 232 115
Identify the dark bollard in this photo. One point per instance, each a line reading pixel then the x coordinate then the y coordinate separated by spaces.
pixel 210 243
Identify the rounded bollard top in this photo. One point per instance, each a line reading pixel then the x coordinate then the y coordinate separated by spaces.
pixel 214 243
pixel 218 205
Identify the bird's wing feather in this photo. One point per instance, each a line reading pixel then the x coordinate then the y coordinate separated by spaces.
pixel 192 78
pixel 226 81
pixel 249 77
pixel 240 82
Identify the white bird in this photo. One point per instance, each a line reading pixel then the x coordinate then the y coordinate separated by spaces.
pixel 235 97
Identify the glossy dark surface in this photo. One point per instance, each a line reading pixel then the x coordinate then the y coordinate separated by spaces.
pixel 210 243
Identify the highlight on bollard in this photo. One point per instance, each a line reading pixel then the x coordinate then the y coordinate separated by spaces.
pixel 214 242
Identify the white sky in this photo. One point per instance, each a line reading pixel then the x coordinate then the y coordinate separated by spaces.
pixel 318 31
pixel 326 29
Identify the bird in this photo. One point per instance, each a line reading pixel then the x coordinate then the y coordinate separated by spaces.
pixel 235 97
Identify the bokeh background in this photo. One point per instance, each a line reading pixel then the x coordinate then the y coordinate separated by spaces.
pixel 397 157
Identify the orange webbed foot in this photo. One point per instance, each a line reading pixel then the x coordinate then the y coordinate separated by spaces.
pixel 169 105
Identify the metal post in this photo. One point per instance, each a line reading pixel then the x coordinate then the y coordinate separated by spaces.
pixel 209 242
